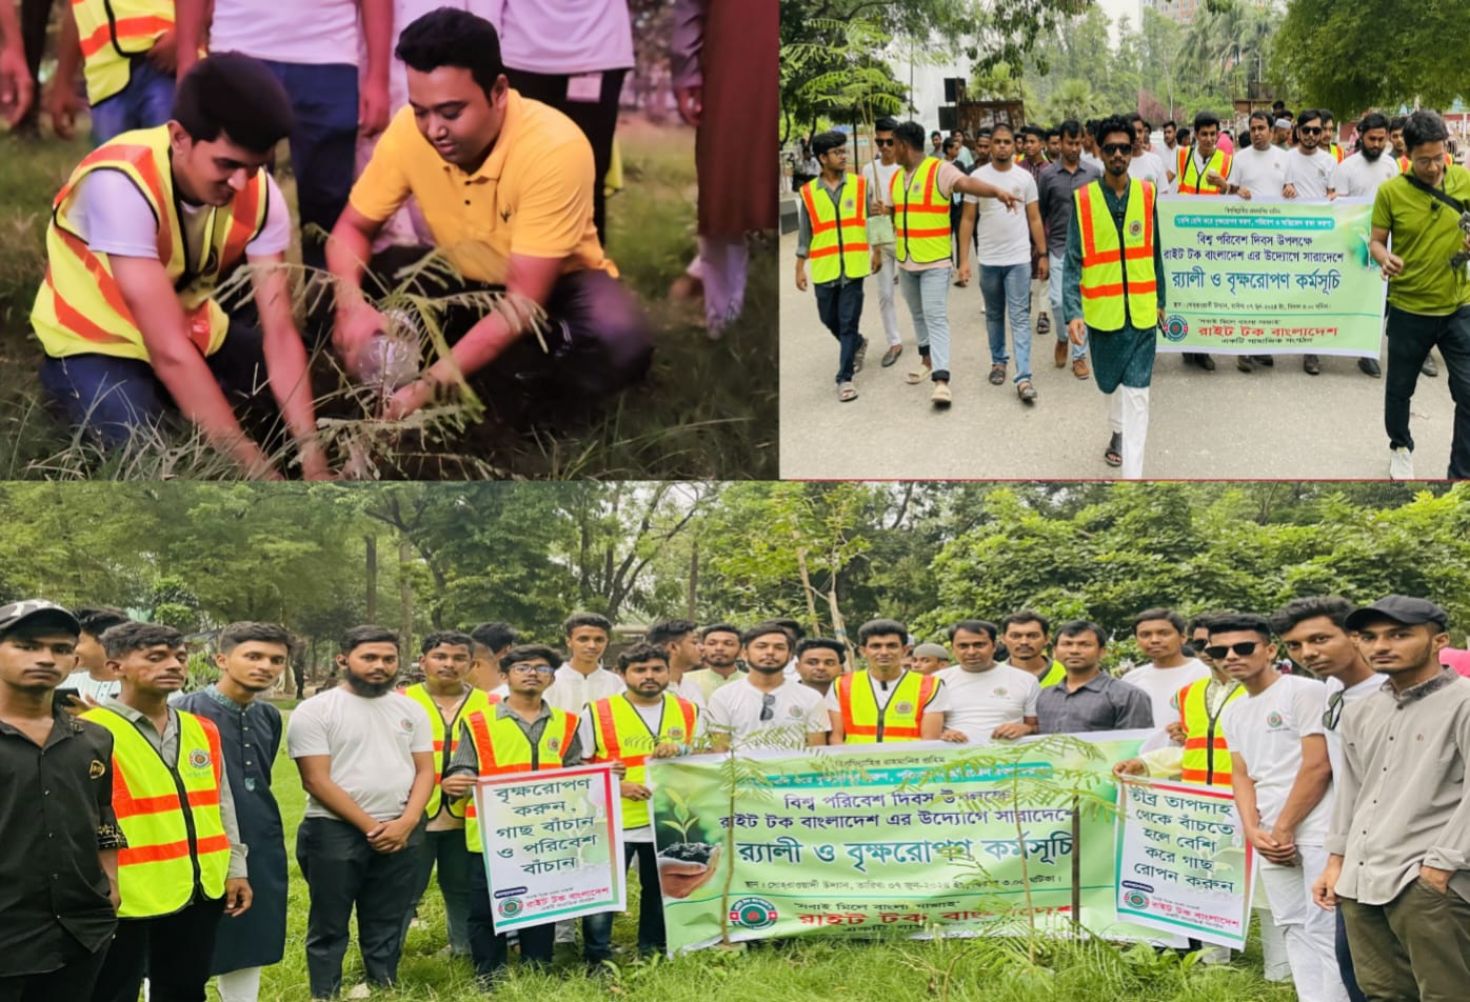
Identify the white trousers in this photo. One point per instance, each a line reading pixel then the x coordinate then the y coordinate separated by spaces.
pixel 1310 932
pixel 239 986
pixel 1128 415
pixel 887 283
pixel 723 262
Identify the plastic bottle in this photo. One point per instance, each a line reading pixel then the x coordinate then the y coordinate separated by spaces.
pixel 391 358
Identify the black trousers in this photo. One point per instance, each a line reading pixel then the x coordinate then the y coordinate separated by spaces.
pixel 489 948
pixel 73 980
pixel 344 873
pixel 1410 336
pixel 598 119
pixel 173 951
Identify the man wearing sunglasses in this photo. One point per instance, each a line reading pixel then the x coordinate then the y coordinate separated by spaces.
pixel 1308 175
pixel 879 177
pixel 767 708
pixel 1282 780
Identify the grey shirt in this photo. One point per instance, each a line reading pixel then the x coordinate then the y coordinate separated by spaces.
pixel 1054 189
pixel 466 759
pixel 1102 703
pixel 167 746
pixel 1402 800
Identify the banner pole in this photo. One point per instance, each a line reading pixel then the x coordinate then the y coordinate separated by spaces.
pixel 1076 869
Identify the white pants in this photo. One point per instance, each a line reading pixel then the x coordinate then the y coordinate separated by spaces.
pixel 887 282
pixel 239 986
pixel 1128 415
pixel 723 263
pixel 1310 932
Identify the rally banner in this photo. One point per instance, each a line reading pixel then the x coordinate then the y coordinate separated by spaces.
pixel 1184 864
pixel 552 843
pixel 1269 277
pixel 863 840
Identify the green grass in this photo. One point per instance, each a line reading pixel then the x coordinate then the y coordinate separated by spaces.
pixel 958 970
pixel 707 410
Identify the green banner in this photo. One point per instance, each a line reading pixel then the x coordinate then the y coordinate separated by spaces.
pixel 864 840
pixel 1269 277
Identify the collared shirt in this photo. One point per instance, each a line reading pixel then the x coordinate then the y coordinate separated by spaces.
pixel 531 196
pixel 167 746
pixel 1102 703
pixel 55 815
pixel 1055 188
pixel 1403 801
pixel 1071 282
pixel 467 759
pixel 572 691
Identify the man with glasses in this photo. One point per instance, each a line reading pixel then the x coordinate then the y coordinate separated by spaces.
pixel 1282 780
pixel 766 708
pixel 879 177
pixel 1308 176
pixel 886 702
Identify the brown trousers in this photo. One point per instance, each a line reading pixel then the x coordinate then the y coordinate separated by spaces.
pixel 1416 948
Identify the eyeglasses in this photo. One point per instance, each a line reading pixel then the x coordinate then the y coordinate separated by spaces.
pixel 1334 710
pixel 531 669
pixel 768 706
pixel 883 142
pixel 1243 648
pixel 1309 130
pixel 1111 148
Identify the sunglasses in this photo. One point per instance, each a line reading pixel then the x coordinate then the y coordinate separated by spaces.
pixel 1309 130
pixel 768 706
pixel 1334 711
pixel 883 142
pixel 1243 648
pixel 1111 148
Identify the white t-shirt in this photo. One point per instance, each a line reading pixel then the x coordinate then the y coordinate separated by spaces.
pixel 689 689
pixel 798 711
pixel 880 181
pixel 83 682
pixel 1005 235
pixel 1148 167
pixel 317 32
pixel 1163 685
pixel 371 742
pixel 1088 158
pixel 571 691
pixel 653 719
pixel 1261 172
pixel 1363 689
pixel 980 701
pixel 113 217
pixel 1266 731
pixel 564 36
pixel 1309 174
pixel 1357 176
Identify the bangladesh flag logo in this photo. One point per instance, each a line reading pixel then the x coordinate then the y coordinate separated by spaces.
pixel 753 913
pixel 1136 899
pixel 1176 328
pixel 510 907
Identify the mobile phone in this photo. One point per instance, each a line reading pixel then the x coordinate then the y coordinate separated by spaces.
pixel 65 696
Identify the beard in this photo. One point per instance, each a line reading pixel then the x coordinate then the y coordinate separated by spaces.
pixel 1371 155
pixel 370 690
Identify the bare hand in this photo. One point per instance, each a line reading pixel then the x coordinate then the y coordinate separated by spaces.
pixel 458 786
pixel 634 791
pixel 62 105
pixel 1009 200
pixel 678 879
pixel 800 277
pixel 1244 193
pixel 1392 265
pixel 1130 767
pixel 1215 178
pixel 1288 191
pixel 1268 846
pixel 1043 269
pixel 238 896
pixel 962 276
pixel 392 836
pixel 619 769
pixel 954 737
pixel 1322 889
pixel 372 109
pixel 354 331
pixel 165 52
pixel 691 103
pixel 666 749
pixel 17 89
pixel 1177 733
pixel 877 260
pixel 1077 331
pixel 1437 879
pixel 1011 732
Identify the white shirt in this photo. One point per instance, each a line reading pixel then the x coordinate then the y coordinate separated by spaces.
pixel 880 181
pixel 371 742
pixel 980 701
pixel 315 32
pixel 1148 167
pixel 1363 689
pixel 1261 172
pixel 564 36
pixel 1266 731
pixel 1309 174
pixel 689 689
pixel 797 711
pixel 571 691
pixel 1358 176
pixel 1088 158
pixel 83 682
pixel 1005 235
pixel 653 719
pixel 1163 685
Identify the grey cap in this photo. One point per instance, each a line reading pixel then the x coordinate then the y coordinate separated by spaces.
pixel 39 610
pixel 1404 609
pixel 931 651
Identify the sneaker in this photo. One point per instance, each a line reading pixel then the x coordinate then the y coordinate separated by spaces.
pixel 1060 355
pixel 1400 464
pixel 860 357
pixel 1370 367
pixel 891 355
pixel 1311 365
pixel 1264 361
pixel 997 374
pixel 1245 363
pixel 362 991
pixel 941 397
pixel 1043 325
pixel 1429 368
pixel 1026 391
pixel 846 391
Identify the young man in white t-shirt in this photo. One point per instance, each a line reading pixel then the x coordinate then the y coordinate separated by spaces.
pixel 987 701
pixel 1258 170
pixel 1282 779
pixel 93 680
pixel 879 175
pixel 1308 176
pixel 766 708
pixel 366 756
pixel 1160 635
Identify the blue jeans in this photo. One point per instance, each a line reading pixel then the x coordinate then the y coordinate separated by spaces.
pixel 597 929
pixel 448 850
pixel 1054 293
pixel 323 144
pixel 1007 290
pixel 840 305
pixel 146 101
pixel 927 293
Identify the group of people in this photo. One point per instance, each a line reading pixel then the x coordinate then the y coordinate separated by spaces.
pixel 1074 207
pixel 155 846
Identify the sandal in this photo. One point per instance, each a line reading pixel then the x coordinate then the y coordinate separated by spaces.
pixel 1114 455
pixel 846 392
pixel 918 374
pixel 997 374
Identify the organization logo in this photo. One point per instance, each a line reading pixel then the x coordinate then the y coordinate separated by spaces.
pixel 903 708
pixel 199 759
pixel 96 769
pixel 676 734
pixel 794 712
pixel 553 744
pixel 510 907
pixel 1136 899
pixel 1176 328
pixel 753 913
pixel 1135 229
pixel 1273 719
pixel 998 691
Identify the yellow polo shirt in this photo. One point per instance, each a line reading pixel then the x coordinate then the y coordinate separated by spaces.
pixel 531 196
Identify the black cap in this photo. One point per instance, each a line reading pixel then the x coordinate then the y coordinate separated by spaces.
pixel 37 610
pixel 1401 609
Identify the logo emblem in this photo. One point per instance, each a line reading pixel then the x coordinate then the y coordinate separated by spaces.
pixel 1273 719
pixel 199 759
pixel 848 204
pixel 553 744
pixel 1135 229
pixel 510 907
pixel 676 734
pixel 753 913
pixel 794 712
pixel 999 690
pixel 1176 328
pixel 96 769
pixel 1136 899
pixel 903 707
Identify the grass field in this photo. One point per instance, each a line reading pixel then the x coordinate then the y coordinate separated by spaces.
pixel 708 409
pixel 805 971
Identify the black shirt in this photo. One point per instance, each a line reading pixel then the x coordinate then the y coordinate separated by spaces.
pixel 55 814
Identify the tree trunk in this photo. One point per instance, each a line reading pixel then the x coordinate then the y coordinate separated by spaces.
pixel 370 573
pixel 808 591
pixel 692 602
pixel 405 593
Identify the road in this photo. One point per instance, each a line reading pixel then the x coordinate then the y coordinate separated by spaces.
pixel 1274 424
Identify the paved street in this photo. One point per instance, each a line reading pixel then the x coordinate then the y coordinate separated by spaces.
pixel 1274 423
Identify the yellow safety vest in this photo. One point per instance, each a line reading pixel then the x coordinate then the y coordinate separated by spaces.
pixel 113 34
pixel 620 735
pixel 839 247
pixel 1192 180
pixel 501 747
pixel 920 215
pixel 169 812
pixel 1118 264
pixel 80 309
pixel 442 729
pixel 1206 755
pixel 1055 673
pixel 1336 152
pixel 864 723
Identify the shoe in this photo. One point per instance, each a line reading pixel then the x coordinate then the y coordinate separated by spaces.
pixel 1400 464
pixel 362 991
pixel 1114 454
pixel 1370 367
pixel 1060 355
pixel 1264 361
pixel 918 373
pixel 1244 363
pixel 1207 363
pixel 1311 365
pixel 846 391
pixel 1026 391
pixel 860 357
pixel 1080 369
pixel 891 355
pixel 997 374
pixel 941 397
pixel 1429 368
pixel 1043 325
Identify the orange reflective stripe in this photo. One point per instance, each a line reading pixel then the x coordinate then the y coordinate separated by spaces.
pixel 1196 743
pixel 687 710
pixel 484 750
pixel 1084 211
pixel 927 685
pixel 126 806
pixel 1203 776
pixel 844 702
pixel 818 226
pixel 242 222
pixel 106 284
pixel 845 249
pixel 1116 289
pixel 929 182
pixel 566 739
pixel 171 850
pixel 128 27
pixel 608 731
pixel 77 322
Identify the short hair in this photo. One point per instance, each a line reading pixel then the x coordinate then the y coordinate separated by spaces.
pixel 232 93
pixel 124 638
pixel 359 635
pixel 821 644
pixel 885 124
pixel 1204 619
pixel 1135 119
pixel 882 628
pixel 1396 123
pixel 764 629
pixel 1026 616
pixel 1334 607
pixel 1169 124
pixel 1204 118
pixel 449 36
pixel 984 132
pixel 936 132
pixel 448 638
pixel 1372 120
pixel 1263 116
pixel 791 626
pixel 1105 128
pixel 1424 126
pixel 1077 627
pixel 911 134
pixel 642 652
pixel 999 127
pixel 1307 115
pixel 235 634
pixel 580 619
pixel 1240 622
pixel 951 144
pixel 1182 136
pixel 1053 131
pixel 826 142
pixel 1070 129
pixel 669 630
pixel 1328 116
pixel 719 628
pixel 494 636
pixel 1175 620
pixel 96 620
pixel 973 626
pixel 1033 130
pixel 530 652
